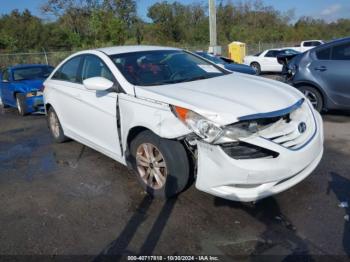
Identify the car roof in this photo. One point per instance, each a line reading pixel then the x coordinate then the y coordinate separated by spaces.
pixel 274 49
pixel 331 43
pixel 27 66
pixel 114 50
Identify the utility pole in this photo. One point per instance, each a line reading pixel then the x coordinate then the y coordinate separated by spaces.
pixel 213 48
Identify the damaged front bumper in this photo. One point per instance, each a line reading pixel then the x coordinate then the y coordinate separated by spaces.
pixel 251 179
pixel 35 104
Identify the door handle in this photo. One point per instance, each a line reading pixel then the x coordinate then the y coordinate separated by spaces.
pixel 321 68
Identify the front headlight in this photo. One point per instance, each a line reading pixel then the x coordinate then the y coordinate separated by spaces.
pixel 240 130
pixel 200 125
pixel 212 133
pixel 293 70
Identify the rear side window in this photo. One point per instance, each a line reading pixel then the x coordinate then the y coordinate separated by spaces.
pixel 69 71
pixel 324 54
pixel 5 76
pixel 341 52
pixel 272 53
pixel 312 43
pixel 93 67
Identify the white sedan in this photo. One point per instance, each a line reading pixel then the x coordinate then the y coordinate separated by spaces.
pixel 173 116
pixel 266 61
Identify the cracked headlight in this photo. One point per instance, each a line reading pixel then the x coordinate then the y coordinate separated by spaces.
pixel 240 130
pixel 201 126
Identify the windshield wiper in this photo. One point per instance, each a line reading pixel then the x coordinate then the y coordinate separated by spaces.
pixel 180 80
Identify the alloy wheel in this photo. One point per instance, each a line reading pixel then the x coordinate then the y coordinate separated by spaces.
pixel 54 125
pixel 312 97
pixel 19 106
pixel 151 166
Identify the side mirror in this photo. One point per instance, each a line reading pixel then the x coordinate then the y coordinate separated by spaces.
pixel 98 83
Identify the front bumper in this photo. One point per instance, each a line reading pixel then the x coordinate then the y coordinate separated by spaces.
pixel 253 179
pixel 35 104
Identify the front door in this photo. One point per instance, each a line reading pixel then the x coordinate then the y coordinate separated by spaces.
pixel 98 109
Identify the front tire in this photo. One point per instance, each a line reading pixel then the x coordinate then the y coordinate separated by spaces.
pixel 162 166
pixel 314 97
pixel 257 68
pixel 21 104
pixel 55 126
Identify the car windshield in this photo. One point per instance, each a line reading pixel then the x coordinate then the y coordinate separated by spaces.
pixel 212 58
pixel 31 73
pixel 290 52
pixel 149 68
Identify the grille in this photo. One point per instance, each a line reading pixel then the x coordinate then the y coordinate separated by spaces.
pixel 293 131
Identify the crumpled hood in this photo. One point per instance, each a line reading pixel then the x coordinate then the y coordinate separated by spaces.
pixel 225 99
pixel 30 85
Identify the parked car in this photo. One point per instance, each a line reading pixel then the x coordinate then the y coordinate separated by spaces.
pixel 173 116
pixel 266 61
pixel 22 85
pixel 227 63
pixel 322 74
pixel 307 45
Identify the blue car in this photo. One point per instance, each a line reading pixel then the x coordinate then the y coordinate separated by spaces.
pixel 21 87
pixel 227 63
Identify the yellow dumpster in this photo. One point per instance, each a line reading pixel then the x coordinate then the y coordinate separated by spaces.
pixel 237 51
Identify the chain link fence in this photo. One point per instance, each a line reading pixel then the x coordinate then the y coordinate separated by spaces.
pixel 51 58
pixel 255 48
pixel 54 58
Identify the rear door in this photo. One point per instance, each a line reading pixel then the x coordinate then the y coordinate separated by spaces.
pixel 331 69
pixel 270 61
pixel 64 88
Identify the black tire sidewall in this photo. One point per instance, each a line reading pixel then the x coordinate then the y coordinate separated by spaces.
pixel 318 95
pixel 176 160
pixel 61 138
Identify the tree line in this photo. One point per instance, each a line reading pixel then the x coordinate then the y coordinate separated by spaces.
pixel 77 24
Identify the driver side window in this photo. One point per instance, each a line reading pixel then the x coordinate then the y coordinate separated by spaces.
pixel 95 67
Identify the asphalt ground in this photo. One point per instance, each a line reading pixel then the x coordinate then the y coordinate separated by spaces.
pixel 67 199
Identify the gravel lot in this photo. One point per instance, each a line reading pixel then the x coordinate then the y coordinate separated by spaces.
pixel 69 199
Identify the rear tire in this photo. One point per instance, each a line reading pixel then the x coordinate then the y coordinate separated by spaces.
pixel 161 165
pixel 55 126
pixel 314 96
pixel 257 68
pixel 21 104
pixel 4 105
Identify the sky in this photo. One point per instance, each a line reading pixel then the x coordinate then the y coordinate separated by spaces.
pixel 329 10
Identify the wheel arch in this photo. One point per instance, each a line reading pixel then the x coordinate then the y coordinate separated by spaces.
pixel 254 62
pixel 47 106
pixel 317 87
pixel 16 92
pixel 133 132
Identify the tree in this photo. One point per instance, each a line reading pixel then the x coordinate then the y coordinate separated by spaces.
pixel 125 10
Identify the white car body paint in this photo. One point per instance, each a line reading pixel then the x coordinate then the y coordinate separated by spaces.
pixel 267 64
pixel 305 45
pixel 90 117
